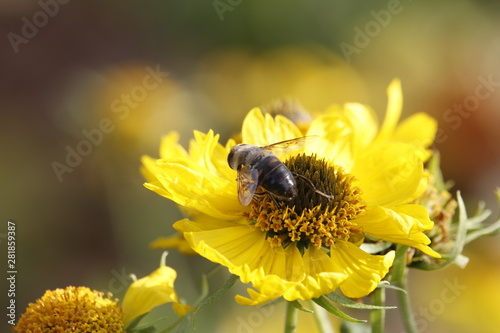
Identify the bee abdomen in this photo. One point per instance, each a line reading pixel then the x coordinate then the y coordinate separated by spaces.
pixel 276 179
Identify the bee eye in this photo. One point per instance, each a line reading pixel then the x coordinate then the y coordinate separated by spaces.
pixel 230 158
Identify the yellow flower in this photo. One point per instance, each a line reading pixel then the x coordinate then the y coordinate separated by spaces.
pixel 310 245
pixel 73 309
pixel 78 309
pixel 173 242
pixel 151 291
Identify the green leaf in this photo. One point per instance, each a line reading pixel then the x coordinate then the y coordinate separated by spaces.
pixel 177 323
pixel 349 303
pixel 181 325
pixel 348 327
pixel 490 230
pixel 146 327
pixel 204 289
pixel 217 295
pixel 149 329
pixel 297 305
pixel 387 285
pixel 481 215
pixel 325 304
pixel 134 322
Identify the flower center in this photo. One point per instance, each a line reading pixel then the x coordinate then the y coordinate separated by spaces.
pixel 75 309
pixel 311 217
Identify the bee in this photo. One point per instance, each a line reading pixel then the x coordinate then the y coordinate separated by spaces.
pixel 260 167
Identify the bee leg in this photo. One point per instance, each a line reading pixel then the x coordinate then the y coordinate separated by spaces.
pixel 308 181
pixel 258 195
pixel 277 203
pixel 275 200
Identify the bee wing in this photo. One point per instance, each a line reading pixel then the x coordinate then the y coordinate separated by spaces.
pixel 248 181
pixel 290 145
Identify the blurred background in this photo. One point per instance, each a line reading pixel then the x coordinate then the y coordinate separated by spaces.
pixel 87 88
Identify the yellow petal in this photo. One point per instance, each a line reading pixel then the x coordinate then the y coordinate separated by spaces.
pixel 356 272
pixel 263 129
pixel 201 181
pixel 390 174
pixel 170 147
pixel 363 120
pixel 173 242
pixel 418 129
pixel 182 309
pixel 206 152
pixel 336 142
pixel 196 189
pixel 273 271
pixel 242 249
pixel 403 225
pixel 149 169
pixel 322 276
pixel 272 287
pixel 344 132
pixel 205 223
pixel 149 292
pixel 276 272
pixel 273 282
pixel 365 271
pixel 393 112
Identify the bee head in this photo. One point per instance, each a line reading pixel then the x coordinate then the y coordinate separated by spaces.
pixel 237 156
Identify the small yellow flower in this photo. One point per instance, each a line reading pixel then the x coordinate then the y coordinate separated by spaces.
pixel 309 246
pixel 151 291
pixel 73 309
pixel 82 310
pixel 173 242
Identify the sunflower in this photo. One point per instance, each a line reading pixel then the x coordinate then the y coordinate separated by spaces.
pixel 310 245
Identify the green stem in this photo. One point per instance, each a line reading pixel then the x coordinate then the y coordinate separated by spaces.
pixel 378 316
pixel 321 318
pixel 291 318
pixel 399 277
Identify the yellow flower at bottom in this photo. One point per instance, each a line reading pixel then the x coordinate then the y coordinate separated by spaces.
pixel 79 309
pixel 74 309
pixel 307 246
pixel 151 291
pixel 173 242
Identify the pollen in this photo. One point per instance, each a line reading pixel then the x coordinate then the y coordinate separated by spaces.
pixel 73 309
pixel 313 217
